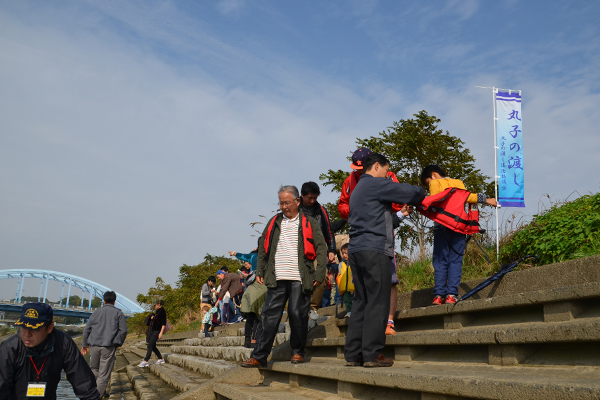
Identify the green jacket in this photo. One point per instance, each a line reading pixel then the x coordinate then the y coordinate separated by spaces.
pixel 308 272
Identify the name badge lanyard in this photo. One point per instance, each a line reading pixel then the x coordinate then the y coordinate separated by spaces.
pixel 40 370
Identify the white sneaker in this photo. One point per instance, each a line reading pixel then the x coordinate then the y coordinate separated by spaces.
pixel 313 315
pixel 161 361
pixel 143 364
pixel 347 315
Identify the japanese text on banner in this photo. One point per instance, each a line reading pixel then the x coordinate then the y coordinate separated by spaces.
pixel 511 181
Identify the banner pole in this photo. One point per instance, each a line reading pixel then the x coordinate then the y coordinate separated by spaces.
pixel 496 172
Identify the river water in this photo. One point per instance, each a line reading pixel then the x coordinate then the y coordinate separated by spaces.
pixel 65 390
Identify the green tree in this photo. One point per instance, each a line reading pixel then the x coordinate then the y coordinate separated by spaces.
pixel 97 302
pixel 410 145
pixel 186 297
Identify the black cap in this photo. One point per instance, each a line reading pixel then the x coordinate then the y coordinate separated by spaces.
pixel 35 315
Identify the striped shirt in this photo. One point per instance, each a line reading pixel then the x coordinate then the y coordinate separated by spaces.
pixel 286 257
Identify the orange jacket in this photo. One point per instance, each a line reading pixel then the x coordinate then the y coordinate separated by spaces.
pixel 348 187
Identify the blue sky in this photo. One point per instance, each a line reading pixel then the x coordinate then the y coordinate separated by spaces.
pixel 139 136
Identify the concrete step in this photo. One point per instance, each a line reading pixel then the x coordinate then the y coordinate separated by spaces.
pixel 177 377
pixel 430 379
pixel 147 386
pixel 229 341
pixel 272 391
pixel 582 329
pixel 215 341
pixel 235 353
pixel 203 366
pixel 553 305
pixel 132 358
pixel 560 343
pixel 120 387
pixel 228 351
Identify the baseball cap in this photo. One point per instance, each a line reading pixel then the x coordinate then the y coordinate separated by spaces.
pixel 221 272
pixel 358 157
pixel 35 315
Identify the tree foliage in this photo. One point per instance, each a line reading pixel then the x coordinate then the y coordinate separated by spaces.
pixel 411 145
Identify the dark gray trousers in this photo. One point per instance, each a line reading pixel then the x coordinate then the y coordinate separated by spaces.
pixel 270 318
pixel 102 360
pixel 365 338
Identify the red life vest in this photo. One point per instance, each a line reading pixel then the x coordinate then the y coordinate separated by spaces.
pixel 355 176
pixel 448 208
pixel 307 235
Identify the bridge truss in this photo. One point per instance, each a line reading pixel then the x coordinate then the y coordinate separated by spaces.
pixel 86 286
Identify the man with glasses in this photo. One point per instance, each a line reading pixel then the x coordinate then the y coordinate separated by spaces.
pixel 287 250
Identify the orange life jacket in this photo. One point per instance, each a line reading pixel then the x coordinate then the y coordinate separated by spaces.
pixel 307 235
pixel 448 208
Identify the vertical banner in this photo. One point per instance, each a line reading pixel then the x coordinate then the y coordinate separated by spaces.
pixel 511 181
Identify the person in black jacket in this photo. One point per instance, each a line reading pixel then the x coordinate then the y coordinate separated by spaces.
pixel 31 361
pixel 310 206
pixel 371 248
pixel 157 327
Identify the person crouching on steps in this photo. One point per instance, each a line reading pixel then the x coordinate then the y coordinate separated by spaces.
pixel 448 245
pixel 285 265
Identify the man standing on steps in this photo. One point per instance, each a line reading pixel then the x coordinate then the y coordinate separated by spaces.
pixel 287 249
pixel 371 250
pixel 309 205
pixel 104 332
pixel 31 362
pixel 358 158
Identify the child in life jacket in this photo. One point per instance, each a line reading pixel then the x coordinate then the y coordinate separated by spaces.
pixel 448 245
pixel 345 283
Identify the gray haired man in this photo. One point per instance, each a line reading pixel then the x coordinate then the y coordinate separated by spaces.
pixel 104 332
pixel 287 250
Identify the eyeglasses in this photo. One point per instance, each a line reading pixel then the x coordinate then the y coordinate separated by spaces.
pixel 285 203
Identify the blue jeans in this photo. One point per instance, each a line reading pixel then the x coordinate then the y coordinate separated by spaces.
pixel 446 263
pixel 337 299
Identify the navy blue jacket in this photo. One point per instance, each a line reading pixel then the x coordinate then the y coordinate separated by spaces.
pixel 371 221
pixel 57 353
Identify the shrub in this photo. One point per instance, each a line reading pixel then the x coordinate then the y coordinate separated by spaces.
pixel 563 232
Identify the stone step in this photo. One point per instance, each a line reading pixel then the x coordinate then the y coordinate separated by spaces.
pixel 215 341
pixel 120 361
pixel 563 343
pixel 177 377
pixel 203 366
pixel 582 329
pixel 431 380
pixel 233 353
pixel 132 358
pixel 554 305
pixel 229 341
pixel 120 387
pixel 273 391
pixel 147 386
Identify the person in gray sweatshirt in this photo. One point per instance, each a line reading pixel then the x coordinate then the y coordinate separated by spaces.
pixel 371 249
pixel 104 332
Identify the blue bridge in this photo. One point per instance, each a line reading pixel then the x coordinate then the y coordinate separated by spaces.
pixel 70 281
